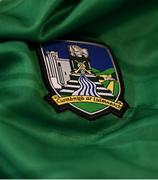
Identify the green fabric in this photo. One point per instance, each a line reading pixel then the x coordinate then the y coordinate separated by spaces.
pixel 37 142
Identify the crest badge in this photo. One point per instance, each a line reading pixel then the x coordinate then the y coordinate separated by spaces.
pixel 83 77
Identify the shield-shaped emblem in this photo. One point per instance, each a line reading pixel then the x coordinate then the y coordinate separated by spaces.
pixel 83 77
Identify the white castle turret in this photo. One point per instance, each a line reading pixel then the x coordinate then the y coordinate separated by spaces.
pixel 59 69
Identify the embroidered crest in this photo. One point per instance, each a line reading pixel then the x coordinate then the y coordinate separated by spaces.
pixel 83 77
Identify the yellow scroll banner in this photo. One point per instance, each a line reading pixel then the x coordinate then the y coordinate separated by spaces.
pixel 73 99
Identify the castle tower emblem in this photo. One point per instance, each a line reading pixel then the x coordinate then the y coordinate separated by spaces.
pixel 82 76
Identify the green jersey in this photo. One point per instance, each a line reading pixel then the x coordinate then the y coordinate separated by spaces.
pixel 37 141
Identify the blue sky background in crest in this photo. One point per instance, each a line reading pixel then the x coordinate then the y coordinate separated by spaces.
pixel 99 57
